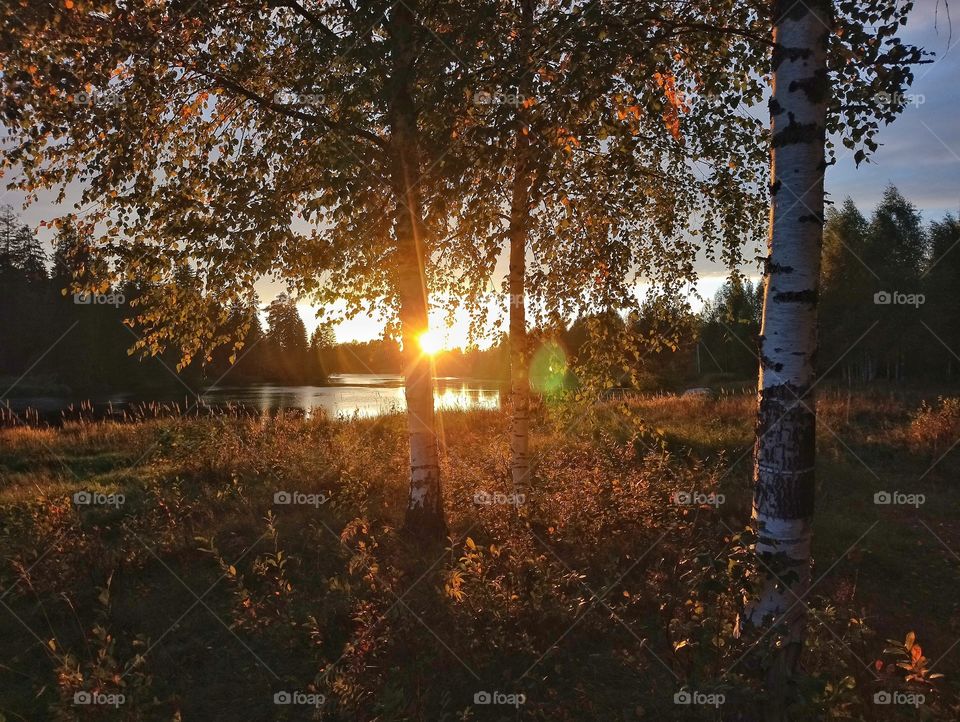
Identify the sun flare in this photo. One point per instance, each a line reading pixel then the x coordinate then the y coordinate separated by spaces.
pixel 431 342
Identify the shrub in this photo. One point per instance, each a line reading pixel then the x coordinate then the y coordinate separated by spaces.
pixel 935 427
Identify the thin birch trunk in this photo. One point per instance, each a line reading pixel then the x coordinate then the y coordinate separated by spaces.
pixel 519 227
pixel 519 358
pixel 424 516
pixel 784 453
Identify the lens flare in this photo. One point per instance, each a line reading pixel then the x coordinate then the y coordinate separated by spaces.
pixel 548 369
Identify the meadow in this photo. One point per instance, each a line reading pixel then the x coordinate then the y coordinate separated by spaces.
pixel 239 567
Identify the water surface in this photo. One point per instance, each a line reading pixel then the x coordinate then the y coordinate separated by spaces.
pixel 344 396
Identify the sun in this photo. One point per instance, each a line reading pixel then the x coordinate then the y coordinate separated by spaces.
pixel 431 342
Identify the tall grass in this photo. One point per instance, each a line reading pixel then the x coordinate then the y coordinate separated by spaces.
pixel 598 597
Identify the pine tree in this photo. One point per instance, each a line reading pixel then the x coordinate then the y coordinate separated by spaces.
pixel 286 340
pixel 942 287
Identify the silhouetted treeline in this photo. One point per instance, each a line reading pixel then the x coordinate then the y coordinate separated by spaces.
pixel 382 356
pixel 889 306
pixel 62 342
pixel 889 309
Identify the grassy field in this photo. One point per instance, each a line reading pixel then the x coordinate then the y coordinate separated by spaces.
pixel 185 591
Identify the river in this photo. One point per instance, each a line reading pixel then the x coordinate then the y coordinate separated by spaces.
pixel 344 396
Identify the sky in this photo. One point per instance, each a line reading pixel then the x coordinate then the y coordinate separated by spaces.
pixel 919 153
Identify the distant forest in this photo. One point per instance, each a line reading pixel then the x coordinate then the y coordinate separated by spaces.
pixel 65 342
pixel 882 277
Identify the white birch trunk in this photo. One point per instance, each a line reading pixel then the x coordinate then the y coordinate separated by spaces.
pixel 784 454
pixel 424 516
pixel 519 368
pixel 519 225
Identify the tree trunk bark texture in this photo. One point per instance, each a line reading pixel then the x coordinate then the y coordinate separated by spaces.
pixel 424 514
pixel 519 226
pixel 784 454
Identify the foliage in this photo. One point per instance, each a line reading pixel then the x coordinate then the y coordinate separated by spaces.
pixel 914 664
pixel 870 68
pixel 248 141
pixel 935 427
pixel 618 597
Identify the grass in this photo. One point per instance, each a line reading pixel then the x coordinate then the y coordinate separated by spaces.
pixel 198 597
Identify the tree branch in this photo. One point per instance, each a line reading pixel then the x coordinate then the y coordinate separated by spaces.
pixel 311 17
pixel 290 111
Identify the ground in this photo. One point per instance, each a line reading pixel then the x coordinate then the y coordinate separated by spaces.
pixel 188 589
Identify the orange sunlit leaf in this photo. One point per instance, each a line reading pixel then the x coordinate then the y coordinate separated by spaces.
pixel 672 121
pixel 675 102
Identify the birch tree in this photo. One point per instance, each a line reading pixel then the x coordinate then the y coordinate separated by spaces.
pixel 818 47
pixel 311 142
pixel 606 170
pixel 786 425
pixel 522 188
